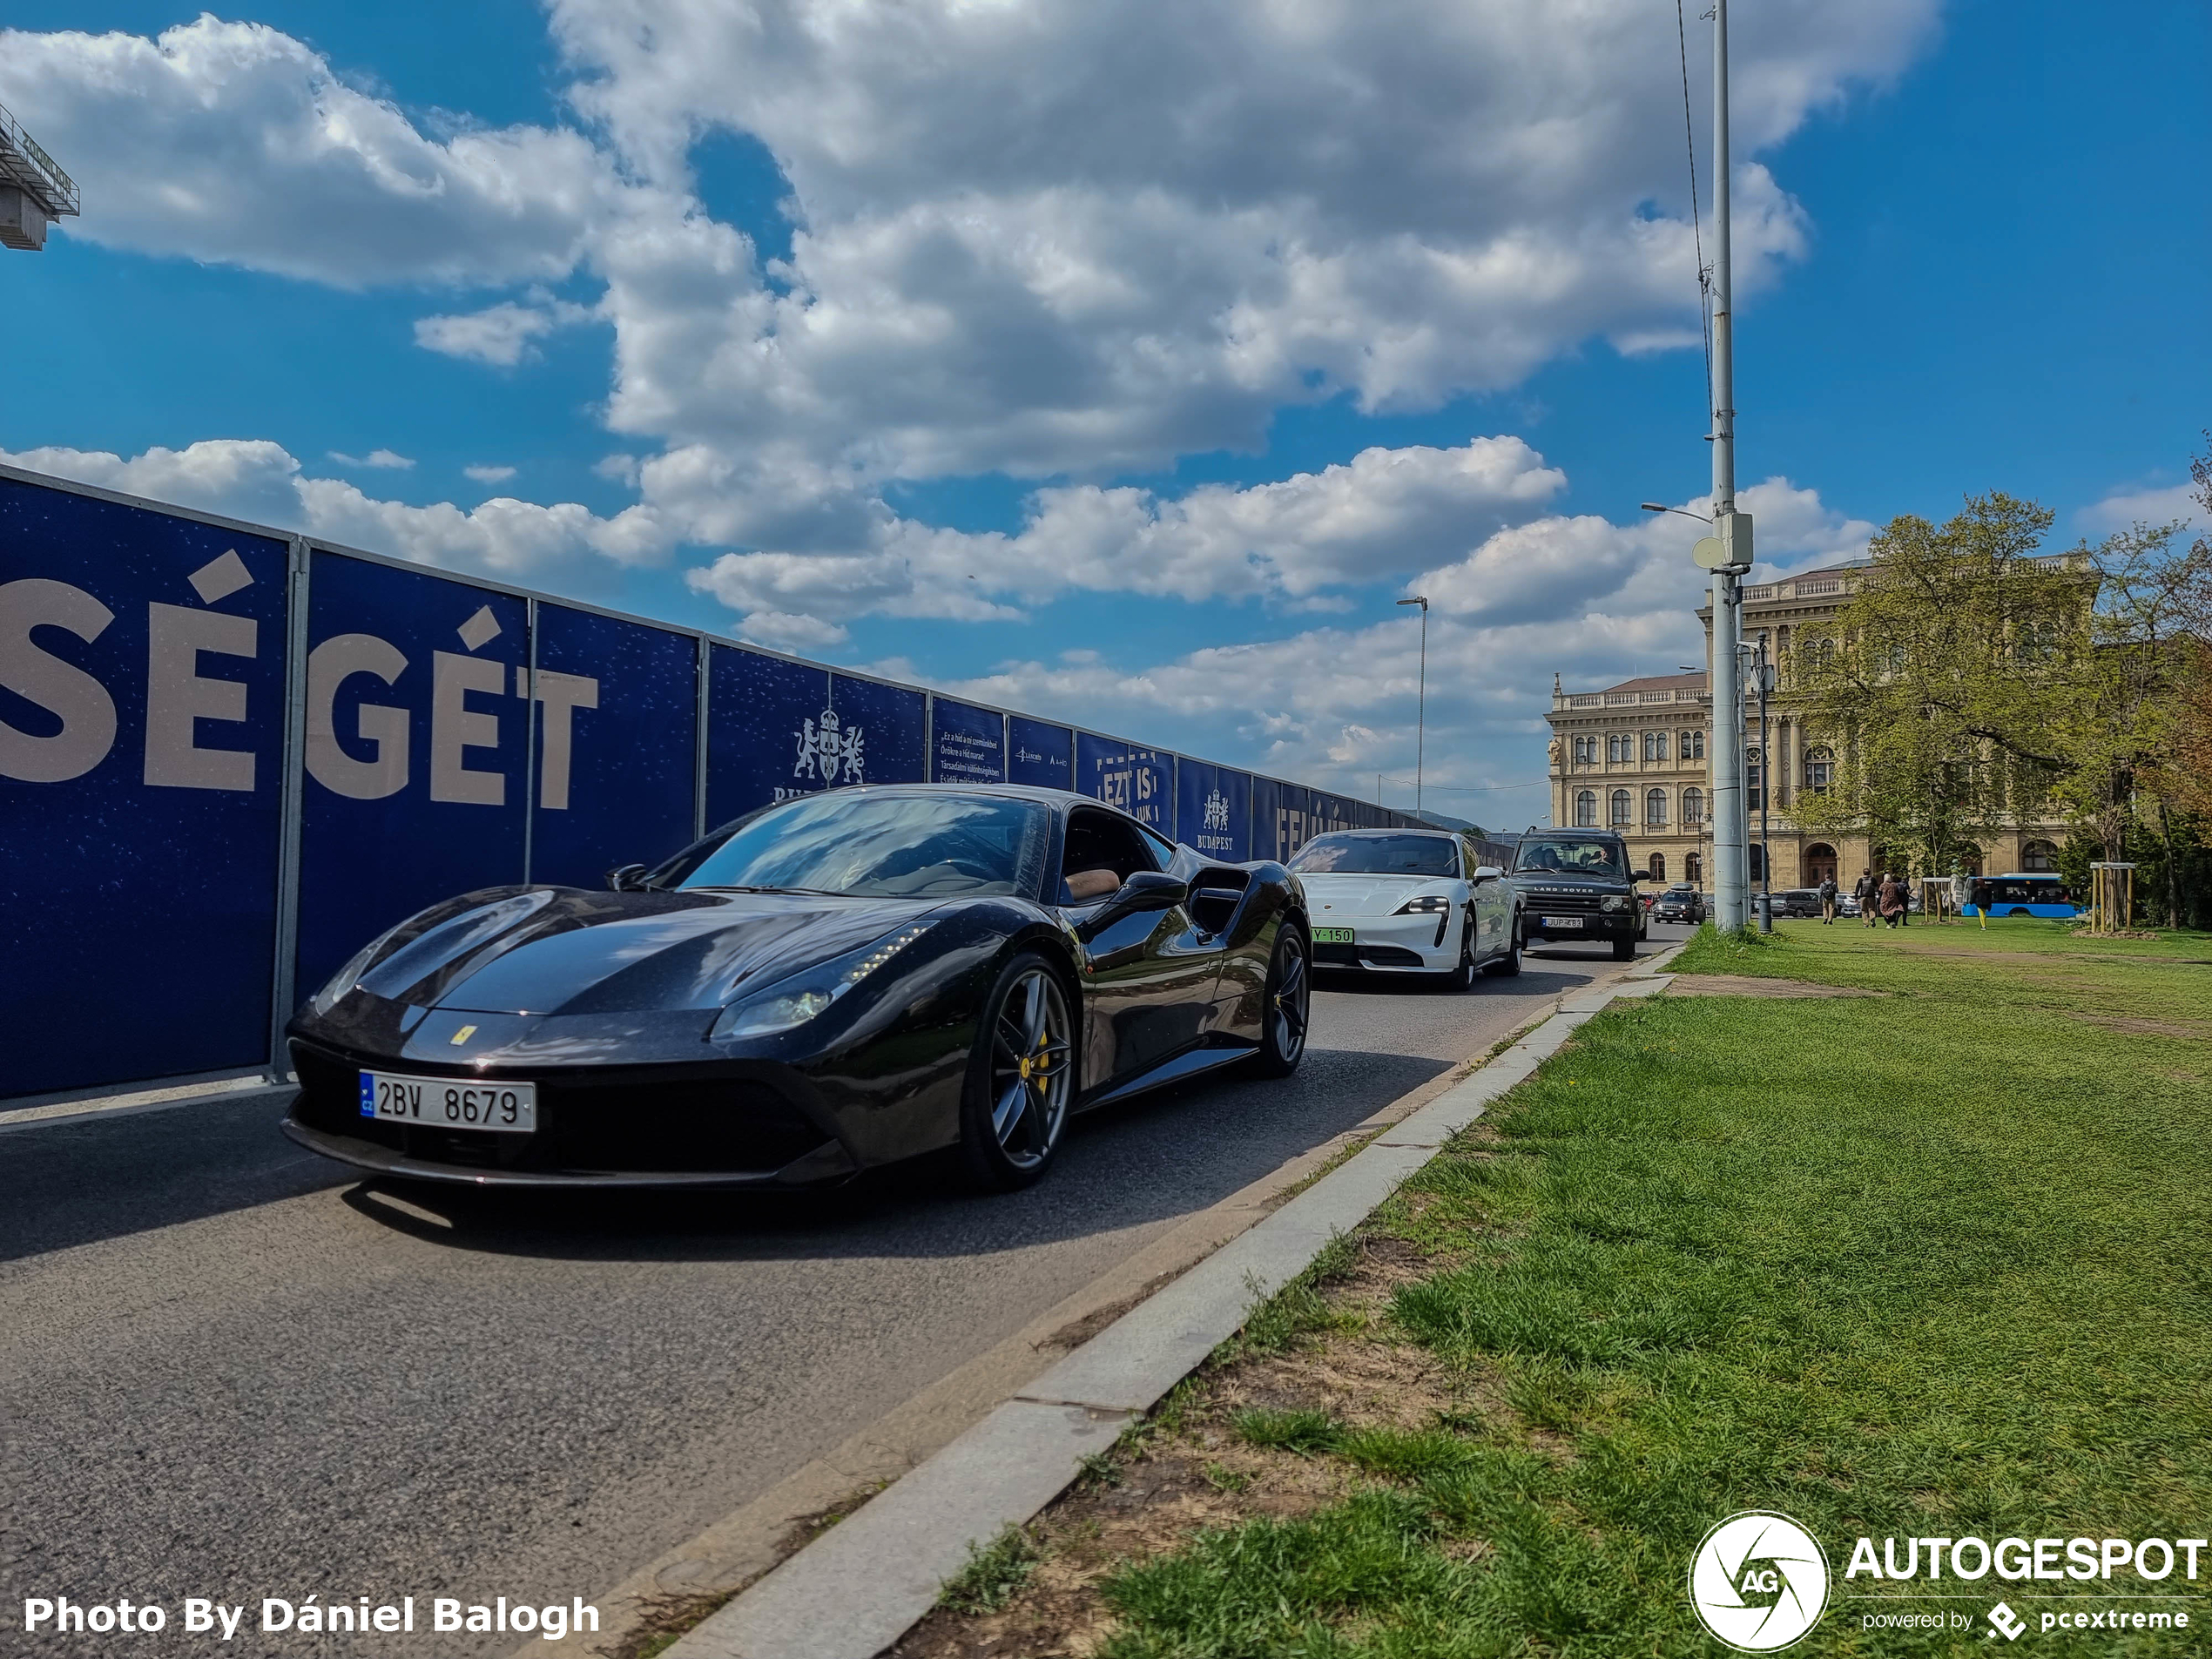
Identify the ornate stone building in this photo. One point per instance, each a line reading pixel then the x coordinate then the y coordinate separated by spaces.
pixel 1632 757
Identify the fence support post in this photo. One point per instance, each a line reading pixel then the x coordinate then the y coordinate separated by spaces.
pixel 291 798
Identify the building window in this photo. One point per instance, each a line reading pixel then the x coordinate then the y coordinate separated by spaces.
pixel 1622 803
pixel 1585 751
pixel 1654 745
pixel 1691 744
pixel 1820 765
pixel 1586 809
pixel 1658 866
pixel 2038 857
pixel 1618 748
pixel 1655 809
pixel 1693 808
pixel 1693 868
pixel 1754 780
pixel 1759 862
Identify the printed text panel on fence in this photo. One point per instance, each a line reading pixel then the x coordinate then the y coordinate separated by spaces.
pixel 141 770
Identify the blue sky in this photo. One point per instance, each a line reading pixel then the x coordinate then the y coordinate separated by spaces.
pixel 1974 267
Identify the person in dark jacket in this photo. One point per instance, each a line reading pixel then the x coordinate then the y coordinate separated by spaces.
pixel 1867 891
pixel 1828 900
pixel 1981 901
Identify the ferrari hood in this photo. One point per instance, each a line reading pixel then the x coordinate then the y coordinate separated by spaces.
pixel 563 951
pixel 1365 895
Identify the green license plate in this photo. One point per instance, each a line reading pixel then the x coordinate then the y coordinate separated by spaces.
pixel 1333 935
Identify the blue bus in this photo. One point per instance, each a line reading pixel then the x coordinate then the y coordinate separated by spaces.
pixel 2022 894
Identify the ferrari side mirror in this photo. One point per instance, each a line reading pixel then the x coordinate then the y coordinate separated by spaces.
pixel 1146 890
pixel 626 878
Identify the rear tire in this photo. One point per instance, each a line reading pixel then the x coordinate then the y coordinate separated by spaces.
pixel 1508 966
pixel 1287 1005
pixel 1021 1078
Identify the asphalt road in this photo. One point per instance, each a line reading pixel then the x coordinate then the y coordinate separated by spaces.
pixel 229 1369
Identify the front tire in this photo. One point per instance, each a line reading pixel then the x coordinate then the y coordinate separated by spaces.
pixel 1287 1006
pixel 1624 950
pixel 1021 1078
pixel 1508 966
pixel 1462 977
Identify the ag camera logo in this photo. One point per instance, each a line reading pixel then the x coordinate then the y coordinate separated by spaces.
pixel 1759 1582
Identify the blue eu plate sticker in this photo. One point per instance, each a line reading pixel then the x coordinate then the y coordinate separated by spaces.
pixel 368 1095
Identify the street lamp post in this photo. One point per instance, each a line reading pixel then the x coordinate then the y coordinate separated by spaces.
pixel 1420 718
pixel 1762 680
pixel 1728 553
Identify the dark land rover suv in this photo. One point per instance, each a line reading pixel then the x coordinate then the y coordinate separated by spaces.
pixel 1576 887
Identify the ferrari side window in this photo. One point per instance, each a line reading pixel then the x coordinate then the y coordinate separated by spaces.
pixel 1102 853
pixel 1163 849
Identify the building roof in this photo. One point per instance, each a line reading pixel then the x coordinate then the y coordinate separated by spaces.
pixel 1663 683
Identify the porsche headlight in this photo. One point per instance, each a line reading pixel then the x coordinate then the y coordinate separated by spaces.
pixel 1429 904
pixel 795 1001
pixel 1614 901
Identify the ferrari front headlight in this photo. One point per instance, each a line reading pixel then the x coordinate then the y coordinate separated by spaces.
pixel 795 1001
pixel 1429 904
pixel 348 976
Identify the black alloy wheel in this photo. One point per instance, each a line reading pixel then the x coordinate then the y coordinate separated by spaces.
pixel 1021 1078
pixel 1287 1006
pixel 1624 950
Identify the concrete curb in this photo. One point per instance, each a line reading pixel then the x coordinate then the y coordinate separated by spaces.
pixel 862 1585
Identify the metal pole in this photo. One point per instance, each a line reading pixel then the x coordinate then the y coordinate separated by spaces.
pixel 1420 716
pixel 291 805
pixel 1766 790
pixel 1729 826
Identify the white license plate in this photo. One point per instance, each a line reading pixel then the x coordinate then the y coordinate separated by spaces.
pixel 1333 935
pixel 1563 922
pixel 449 1102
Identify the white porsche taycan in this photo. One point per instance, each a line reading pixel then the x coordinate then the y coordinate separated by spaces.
pixel 1408 902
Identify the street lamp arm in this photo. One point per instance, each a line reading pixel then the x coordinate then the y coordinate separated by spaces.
pixel 1659 507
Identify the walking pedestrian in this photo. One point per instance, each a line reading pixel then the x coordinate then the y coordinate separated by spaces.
pixel 1863 891
pixel 1828 900
pixel 1981 901
pixel 1892 899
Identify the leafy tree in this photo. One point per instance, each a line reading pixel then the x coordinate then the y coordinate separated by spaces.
pixel 1973 681
pixel 1943 685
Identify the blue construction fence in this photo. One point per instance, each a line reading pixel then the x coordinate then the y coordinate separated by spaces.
pixel 230 756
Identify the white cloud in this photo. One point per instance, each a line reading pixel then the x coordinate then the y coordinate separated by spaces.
pixel 234 144
pixel 488 474
pixel 1591 601
pixel 1035 238
pixel 567 544
pixel 383 460
pixel 2124 508
pixel 503 335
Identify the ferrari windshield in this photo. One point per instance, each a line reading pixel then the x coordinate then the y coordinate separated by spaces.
pixel 1598 860
pixel 883 845
pixel 1378 855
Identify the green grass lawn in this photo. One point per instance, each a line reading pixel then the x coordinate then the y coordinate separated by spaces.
pixel 1930 1262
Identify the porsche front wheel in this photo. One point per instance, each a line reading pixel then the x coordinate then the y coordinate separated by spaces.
pixel 1287 1006
pixel 1021 1078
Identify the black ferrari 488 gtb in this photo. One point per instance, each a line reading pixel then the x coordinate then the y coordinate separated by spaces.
pixel 829 983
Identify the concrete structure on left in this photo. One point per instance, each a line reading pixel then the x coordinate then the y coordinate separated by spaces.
pixel 34 191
